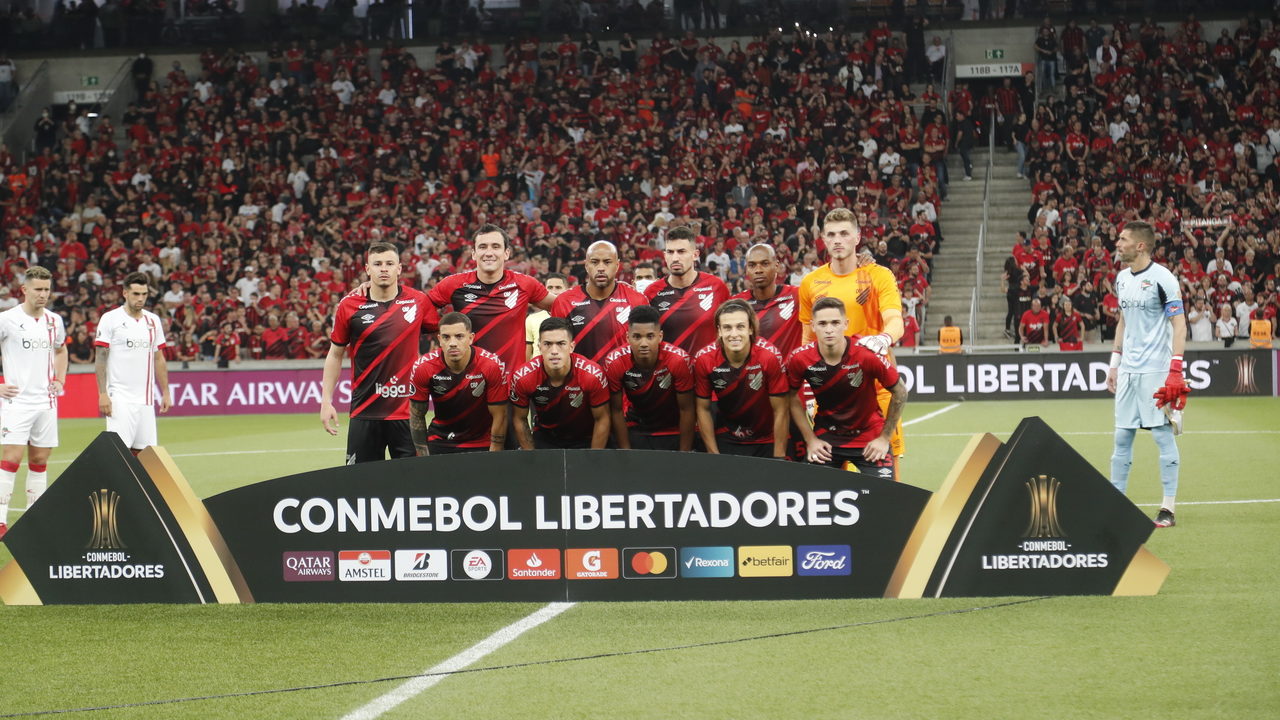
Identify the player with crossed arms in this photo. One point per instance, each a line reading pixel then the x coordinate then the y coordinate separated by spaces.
pixel 1146 362
pixel 129 364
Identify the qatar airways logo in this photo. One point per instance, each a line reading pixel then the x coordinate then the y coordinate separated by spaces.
pixel 393 388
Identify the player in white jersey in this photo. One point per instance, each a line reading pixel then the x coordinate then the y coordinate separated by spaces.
pixel 129 364
pixel 1146 362
pixel 33 343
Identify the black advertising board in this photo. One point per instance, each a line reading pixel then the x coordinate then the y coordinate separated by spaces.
pixel 1027 517
pixel 1026 376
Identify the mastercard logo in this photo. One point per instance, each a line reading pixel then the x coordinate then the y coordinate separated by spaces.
pixel 648 563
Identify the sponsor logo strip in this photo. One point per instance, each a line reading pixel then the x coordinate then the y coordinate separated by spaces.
pixel 706 562
pixel 765 561
pixel 422 565
pixel 591 564
pixel 364 565
pixel 824 560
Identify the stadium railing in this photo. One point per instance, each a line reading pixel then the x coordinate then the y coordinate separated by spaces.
pixel 119 93
pixel 979 265
pixel 19 122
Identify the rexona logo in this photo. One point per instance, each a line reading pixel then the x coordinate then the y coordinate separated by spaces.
pixel 541 564
pixel 364 565
pixel 764 561
pixel 706 562
pixel 477 564
pixel 591 564
pixel 309 566
pixel 414 565
pixel 648 563
pixel 823 560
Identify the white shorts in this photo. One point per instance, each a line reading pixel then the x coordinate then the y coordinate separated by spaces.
pixel 28 424
pixel 135 424
pixel 1135 406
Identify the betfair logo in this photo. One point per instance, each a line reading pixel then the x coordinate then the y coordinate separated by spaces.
pixel 1043 520
pixel 106 534
pixel 765 561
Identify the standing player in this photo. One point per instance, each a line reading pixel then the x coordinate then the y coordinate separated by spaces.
pixel 130 362
pixel 598 310
pixel 33 342
pixel 380 331
pixel 869 292
pixel 556 283
pixel 686 297
pixel 468 386
pixel 568 393
pixel 743 374
pixel 848 427
pixel 656 380
pixel 775 304
pixel 496 299
pixel 1146 362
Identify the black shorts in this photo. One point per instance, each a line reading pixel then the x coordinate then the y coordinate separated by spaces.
pixel 761 450
pixel 543 441
pixel 882 469
pixel 645 441
pixel 447 449
pixel 371 440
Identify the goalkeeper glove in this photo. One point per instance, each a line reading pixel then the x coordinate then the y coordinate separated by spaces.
pixel 1175 389
pixel 878 344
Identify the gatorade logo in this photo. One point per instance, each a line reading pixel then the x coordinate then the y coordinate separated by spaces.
pixel 591 564
pixel 648 563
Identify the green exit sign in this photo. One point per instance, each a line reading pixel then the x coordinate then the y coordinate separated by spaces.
pixel 995 54
pixel 89 80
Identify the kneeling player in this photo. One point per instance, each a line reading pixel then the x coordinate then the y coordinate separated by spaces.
pixel 469 388
pixel 655 379
pixel 848 427
pixel 569 395
pixel 743 374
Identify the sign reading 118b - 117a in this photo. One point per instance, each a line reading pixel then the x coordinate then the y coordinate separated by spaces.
pixel 1028 516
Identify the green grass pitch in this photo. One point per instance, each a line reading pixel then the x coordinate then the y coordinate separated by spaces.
pixel 1205 647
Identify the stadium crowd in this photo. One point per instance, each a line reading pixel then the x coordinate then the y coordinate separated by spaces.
pixel 1160 123
pixel 249 187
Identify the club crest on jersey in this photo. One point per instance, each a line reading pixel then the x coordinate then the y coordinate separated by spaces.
pixel 410 313
pixel 855 378
pixel 510 298
pixel 786 310
pixel 477 388
pixel 705 301
pixel 575 399
pixel 755 381
pixel 664 382
pixel 1144 284
pixel 623 314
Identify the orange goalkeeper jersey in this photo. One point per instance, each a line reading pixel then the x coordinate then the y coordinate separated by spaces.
pixel 866 292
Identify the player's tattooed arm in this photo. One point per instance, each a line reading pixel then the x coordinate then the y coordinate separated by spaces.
pixel 418 426
pixel 100 368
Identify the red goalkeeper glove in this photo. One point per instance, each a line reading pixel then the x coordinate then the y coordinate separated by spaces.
pixel 1175 390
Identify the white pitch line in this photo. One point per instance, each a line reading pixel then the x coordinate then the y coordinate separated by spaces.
pixel 1217 502
pixel 225 452
pixel 414 687
pixel 930 416
pixel 1107 433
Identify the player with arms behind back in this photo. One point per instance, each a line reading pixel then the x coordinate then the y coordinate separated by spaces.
pixel 33 345
pixel 381 332
pixel 468 386
pixel 130 363
pixel 1146 362
pixel 849 426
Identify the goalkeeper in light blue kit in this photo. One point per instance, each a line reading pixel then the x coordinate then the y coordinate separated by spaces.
pixel 1146 362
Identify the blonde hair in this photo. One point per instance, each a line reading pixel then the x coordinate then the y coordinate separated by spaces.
pixel 840 215
pixel 36 272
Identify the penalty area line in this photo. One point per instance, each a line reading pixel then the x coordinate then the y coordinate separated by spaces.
pixel 930 416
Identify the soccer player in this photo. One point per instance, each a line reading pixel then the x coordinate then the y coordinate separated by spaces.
pixel 496 299
pixel 656 381
pixel 743 373
pixel 469 388
pixel 381 333
pixel 130 363
pixel 568 393
pixel 555 284
pixel 848 427
pixel 686 298
pixel 598 310
pixel 1146 362
pixel 775 304
pixel 33 343
pixel 869 292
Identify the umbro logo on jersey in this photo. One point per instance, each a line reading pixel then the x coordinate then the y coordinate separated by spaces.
pixel 368 318
pixel 664 305
pixel 469 297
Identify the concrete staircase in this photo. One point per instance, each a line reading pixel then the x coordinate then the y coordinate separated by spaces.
pixel 954 267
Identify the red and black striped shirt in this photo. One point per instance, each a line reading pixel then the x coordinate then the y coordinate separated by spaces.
pixel 688 314
pixel 779 317
pixel 741 393
pixel 599 326
pixel 382 340
pixel 653 408
pixel 497 310
pixel 848 413
pixel 460 400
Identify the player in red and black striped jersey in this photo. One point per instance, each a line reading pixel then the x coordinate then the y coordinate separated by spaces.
pixel 686 298
pixel 380 332
pixel 468 386
pixel 496 299
pixel 848 427
pixel 743 374
pixel 657 381
pixel 776 305
pixel 598 309
pixel 568 393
